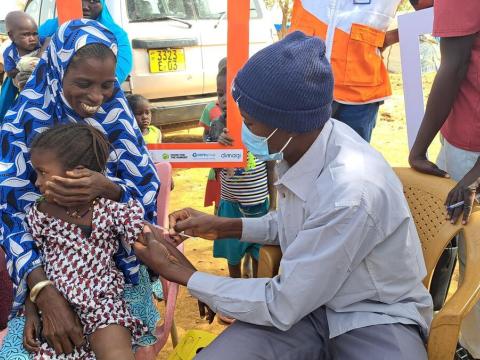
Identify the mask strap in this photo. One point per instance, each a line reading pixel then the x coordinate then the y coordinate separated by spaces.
pixel 269 136
pixel 286 144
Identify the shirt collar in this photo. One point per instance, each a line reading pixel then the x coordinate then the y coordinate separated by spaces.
pixel 299 177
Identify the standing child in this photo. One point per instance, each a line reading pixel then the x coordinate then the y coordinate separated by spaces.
pixel 244 192
pixel 211 112
pixel 143 115
pixel 21 55
pixel 78 247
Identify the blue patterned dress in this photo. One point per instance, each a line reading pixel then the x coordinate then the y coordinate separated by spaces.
pixel 41 105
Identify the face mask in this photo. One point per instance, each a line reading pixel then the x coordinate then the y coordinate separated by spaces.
pixel 258 145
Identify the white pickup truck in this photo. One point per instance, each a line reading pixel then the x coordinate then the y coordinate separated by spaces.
pixel 177 45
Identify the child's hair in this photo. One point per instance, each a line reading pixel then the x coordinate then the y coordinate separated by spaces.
pixel 134 100
pixel 75 145
pixel 94 50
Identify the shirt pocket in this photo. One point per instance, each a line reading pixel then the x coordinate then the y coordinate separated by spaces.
pixel 364 61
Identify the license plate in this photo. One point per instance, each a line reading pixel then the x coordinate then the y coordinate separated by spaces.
pixel 166 60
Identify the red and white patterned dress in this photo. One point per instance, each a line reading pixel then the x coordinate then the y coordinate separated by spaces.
pixel 84 270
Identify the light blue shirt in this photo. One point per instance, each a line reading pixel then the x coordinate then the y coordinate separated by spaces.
pixel 348 240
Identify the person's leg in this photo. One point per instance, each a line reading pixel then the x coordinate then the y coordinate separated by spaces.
pixel 361 118
pixel 306 340
pixel 247 266
pixel 113 342
pixel 255 267
pixel 140 302
pixel 235 271
pixel 380 342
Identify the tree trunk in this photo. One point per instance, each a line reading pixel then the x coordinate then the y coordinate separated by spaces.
pixel 285 6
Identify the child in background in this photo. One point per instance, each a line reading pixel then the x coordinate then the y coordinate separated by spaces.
pixel 78 246
pixel 22 54
pixel 212 112
pixel 245 192
pixel 141 110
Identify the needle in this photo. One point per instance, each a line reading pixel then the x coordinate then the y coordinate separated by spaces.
pixel 181 234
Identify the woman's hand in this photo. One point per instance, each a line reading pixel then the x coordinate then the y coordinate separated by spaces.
pixel 21 79
pixel 465 191
pixel 32 329
pixel 62 328
pixel 81 186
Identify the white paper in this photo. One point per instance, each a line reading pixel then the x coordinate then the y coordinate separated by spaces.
pixel 410 27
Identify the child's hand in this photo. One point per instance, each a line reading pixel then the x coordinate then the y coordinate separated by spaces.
pixel 225 138
pixel 32 329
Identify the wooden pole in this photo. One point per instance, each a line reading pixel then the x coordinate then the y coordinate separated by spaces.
pixel 69 10
pixel 237 54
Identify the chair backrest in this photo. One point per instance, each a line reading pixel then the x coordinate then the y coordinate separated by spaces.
pixel 426 196
pixel 164 171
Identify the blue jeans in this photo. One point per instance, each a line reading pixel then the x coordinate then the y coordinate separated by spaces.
pixel 361 118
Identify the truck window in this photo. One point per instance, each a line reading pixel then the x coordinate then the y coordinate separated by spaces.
pixel 214 9
pixel 33 9
pixel 151 10
pixel 48 11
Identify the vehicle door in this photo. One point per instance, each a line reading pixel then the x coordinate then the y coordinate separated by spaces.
pixel 166 46
pixel 213 24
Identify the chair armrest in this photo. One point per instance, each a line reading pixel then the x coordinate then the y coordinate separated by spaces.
pixel 269 261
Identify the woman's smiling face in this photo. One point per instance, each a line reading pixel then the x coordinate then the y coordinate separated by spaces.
pixel 88 83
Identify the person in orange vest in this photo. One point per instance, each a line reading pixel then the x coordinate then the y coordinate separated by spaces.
pixel 355 33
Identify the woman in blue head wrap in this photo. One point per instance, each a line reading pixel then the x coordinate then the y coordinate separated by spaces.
pixel 73 82
pixel 97 10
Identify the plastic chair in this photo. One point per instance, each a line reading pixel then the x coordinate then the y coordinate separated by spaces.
pixel 170 290
pixel 426 195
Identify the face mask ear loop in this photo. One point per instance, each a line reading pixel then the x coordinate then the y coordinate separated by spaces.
pixel 269 136
pixel 286 144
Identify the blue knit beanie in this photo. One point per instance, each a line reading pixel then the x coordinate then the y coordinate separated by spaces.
pixel 287 85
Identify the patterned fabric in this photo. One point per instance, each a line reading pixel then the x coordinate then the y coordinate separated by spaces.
pixel 82 268
pixel 247 187
pixel 12 347
pixel 11 57
pixel 137 300
pixel 42 105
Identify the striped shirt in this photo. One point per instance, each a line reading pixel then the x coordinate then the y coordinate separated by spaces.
pixel 247 187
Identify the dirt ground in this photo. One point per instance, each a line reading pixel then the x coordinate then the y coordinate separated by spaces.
pixel 389 137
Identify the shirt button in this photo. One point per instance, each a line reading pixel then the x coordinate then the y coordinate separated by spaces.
pixel 283 195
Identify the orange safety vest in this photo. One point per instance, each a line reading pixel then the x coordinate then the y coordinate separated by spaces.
pixel 353 31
